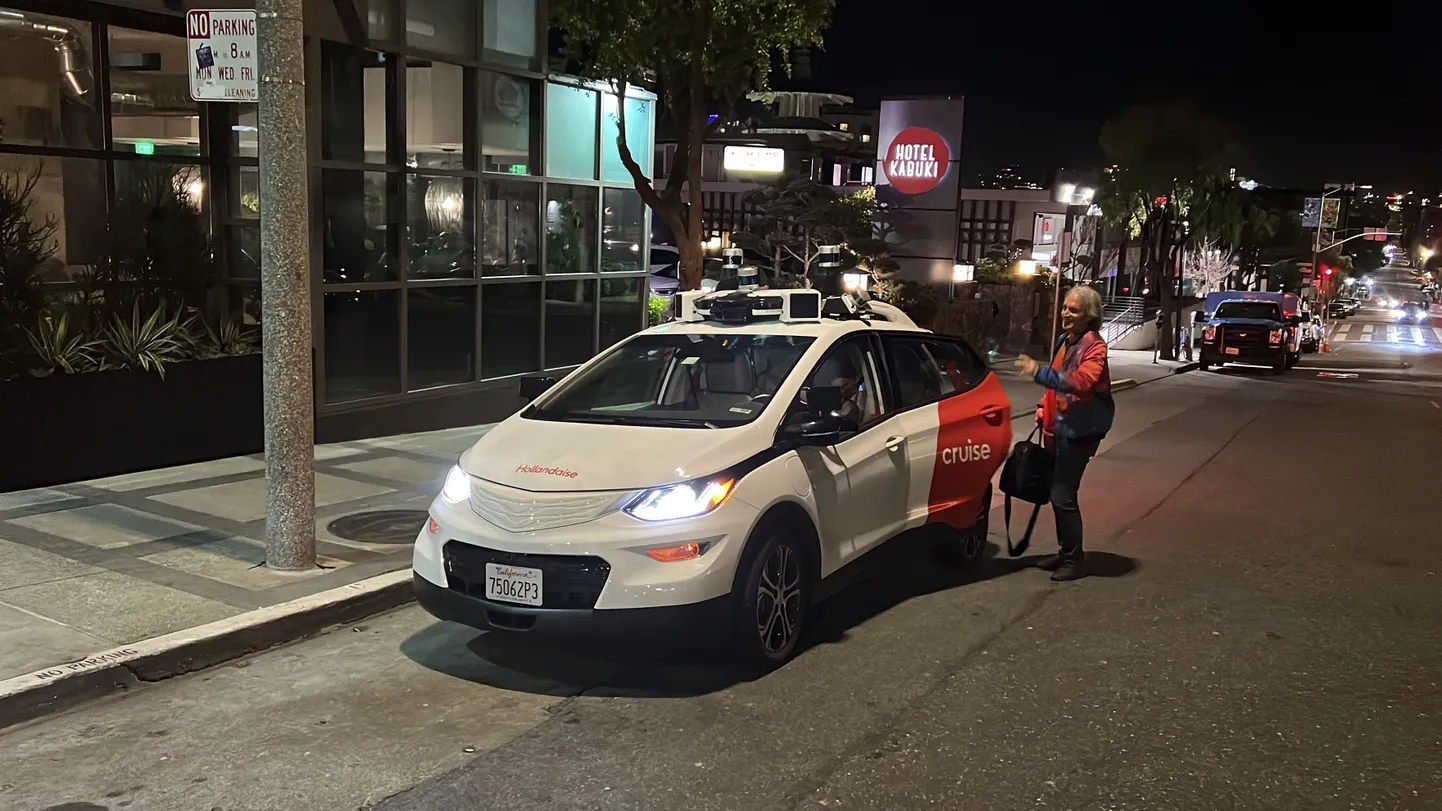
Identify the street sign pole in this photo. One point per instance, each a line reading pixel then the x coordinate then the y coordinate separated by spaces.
pixel 285 289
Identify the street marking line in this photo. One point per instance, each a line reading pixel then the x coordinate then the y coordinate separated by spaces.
pixel 1438 332
pixel 1343 327
pixel 1417 336
pixel 1339 337
pixel 1366 328
pixel 1366 337
pixel 1391 333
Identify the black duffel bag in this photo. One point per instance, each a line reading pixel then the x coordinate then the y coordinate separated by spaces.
pixel 1026 476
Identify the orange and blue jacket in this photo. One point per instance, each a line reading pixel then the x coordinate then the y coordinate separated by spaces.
pixel 1078 404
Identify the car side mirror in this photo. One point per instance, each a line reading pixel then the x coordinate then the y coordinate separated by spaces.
pixel 533 386
pixel 821 431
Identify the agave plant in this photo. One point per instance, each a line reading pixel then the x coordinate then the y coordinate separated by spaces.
pixel 229 338
pixel 56 346
pixel 147 344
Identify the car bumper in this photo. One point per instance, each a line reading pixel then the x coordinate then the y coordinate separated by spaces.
pixel 1212 354
pixel 682 621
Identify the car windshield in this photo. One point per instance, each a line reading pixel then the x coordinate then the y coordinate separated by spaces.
pixel 1249 309
pixel 678 380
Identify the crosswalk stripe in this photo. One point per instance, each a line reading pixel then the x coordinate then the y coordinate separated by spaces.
pixel 1438 332
pixel 1344 327
pixel 1391 333
pixel 1367 328
pixel 1366 336
pixel 1339 337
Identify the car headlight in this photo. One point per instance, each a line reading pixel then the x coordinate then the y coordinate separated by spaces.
pixel 685 500
pixel 457 487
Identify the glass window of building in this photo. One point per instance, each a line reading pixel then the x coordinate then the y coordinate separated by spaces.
pixel 151 111
pixel 638 135
pixel 245 192
pixel 570 322
pixel 510 228
pixel 64 199
pixel 362 346
pixel 355 229
pixel 510 124
pixel 510 334
pixel 435 115
pixel 244 130
pixel 442 26
pixel 440 227
pixel 570 229
pixel 158 222
pixel 622 308
pixel 47 82
pixel 509 28
pixel 570 131
pixel 441 345
pixel 356 87
pixel 245 254
pixel 623 231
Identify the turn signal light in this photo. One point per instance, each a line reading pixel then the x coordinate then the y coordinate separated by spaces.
pixel 432 527
pixel 1275 336
pixel 671 554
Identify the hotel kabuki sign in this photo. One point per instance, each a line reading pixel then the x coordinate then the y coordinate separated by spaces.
pixel 221 46
pixel 916 161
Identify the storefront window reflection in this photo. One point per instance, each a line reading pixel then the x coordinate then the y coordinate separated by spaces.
pixel 64 203
pixel 570 229
pixel 510 123
pixel 362 346
pixel 510 33
pixel 151 112
pixel 510 338
pixel 623 231
pixel 510 228
pixel 570 322
pixel 621 309
pixel 570 132
pixel 356 234
pixel 442 326
pixel 355 89
pixel 435 115
pixel 48 85
pixel 440 227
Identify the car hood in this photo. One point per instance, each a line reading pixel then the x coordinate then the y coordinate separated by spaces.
pixel 1249 322
pixel 545 456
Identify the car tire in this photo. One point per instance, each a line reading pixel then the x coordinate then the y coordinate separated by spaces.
pixel 1279 366
pixel 963 548
pixel 1205 366
pixel 772 601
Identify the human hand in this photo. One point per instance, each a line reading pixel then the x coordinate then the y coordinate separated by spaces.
pixel 1027 365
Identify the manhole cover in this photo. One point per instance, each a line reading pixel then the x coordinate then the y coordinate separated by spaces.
pixel 379 526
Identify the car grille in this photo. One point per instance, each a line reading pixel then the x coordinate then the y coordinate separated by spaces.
pixel 516 510
pixel 567 581
pixel 1244 338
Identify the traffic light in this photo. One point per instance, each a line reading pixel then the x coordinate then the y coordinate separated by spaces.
pixel 1326 270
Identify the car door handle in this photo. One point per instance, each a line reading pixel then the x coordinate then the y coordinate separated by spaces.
pixel 894 443
pixel 993 414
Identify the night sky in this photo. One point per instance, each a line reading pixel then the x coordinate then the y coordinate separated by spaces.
pixel 1354 99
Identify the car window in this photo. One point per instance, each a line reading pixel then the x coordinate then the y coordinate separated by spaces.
pixel 677 380
pixel 1249 309
pixel 851 366
pixel 929 369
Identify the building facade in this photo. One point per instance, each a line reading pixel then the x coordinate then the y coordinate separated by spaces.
pixel 471 219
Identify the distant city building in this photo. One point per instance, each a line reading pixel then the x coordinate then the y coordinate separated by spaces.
pixel 1008 178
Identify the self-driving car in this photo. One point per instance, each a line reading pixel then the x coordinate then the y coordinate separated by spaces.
pixel 714 474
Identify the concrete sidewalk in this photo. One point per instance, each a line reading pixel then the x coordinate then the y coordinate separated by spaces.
pixel 87 567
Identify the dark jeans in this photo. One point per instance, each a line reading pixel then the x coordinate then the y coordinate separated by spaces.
pixel 1071 462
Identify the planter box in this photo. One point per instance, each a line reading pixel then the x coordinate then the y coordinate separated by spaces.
pixel 68 428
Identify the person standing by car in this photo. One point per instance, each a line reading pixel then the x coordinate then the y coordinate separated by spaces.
pixel 1075 414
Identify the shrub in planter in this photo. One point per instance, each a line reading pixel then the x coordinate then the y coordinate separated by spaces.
pixel 657 309
pixel 149 344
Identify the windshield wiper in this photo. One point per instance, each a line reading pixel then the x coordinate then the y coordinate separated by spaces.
pixel 630 419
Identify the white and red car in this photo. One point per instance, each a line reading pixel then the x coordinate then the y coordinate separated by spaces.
pixel 718 469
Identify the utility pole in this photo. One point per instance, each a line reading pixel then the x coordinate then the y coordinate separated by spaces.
pixel 285 289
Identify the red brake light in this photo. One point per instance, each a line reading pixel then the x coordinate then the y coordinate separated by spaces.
pixel 1275 336
pixel 1210 333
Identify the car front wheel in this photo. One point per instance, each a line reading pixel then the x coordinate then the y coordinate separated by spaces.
pixel 963 548
pixel 773 601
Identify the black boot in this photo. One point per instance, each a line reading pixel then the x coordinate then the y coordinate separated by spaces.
pixel 1050 563
pixel 1070 569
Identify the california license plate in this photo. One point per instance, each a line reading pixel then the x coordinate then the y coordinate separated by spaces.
pixel 513 584
pixel 1232 350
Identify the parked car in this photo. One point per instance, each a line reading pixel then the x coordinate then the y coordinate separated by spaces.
pixel 1250 331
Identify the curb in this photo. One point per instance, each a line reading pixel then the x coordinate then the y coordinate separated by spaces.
pixel 1186 367
pixel 32 695
pixel 1124 384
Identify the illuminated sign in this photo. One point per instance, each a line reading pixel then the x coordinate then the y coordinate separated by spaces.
pixel 144 148
pixel 916 161
pixel 753 159
pixel 1048 229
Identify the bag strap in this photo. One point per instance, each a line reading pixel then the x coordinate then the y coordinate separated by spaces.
pixel 1025 541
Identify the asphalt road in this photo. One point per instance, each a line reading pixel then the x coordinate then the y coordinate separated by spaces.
pixel 1264 631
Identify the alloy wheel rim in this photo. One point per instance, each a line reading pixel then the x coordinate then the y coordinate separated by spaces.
pixel 778 599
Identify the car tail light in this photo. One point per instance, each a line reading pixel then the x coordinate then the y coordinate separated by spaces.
pixel 1275 336
pixel 1210 333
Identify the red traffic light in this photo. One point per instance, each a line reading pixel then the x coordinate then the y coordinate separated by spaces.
pixel 1326 270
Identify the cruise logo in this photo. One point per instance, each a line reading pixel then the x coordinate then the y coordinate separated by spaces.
pixel 970 452
pixel 548 471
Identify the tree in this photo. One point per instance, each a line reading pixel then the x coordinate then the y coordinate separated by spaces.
pixel 699 55
pixel 1169 159
pixel 795 216
pixel 1208 266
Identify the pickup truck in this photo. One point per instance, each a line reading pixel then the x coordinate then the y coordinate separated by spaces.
pixel 1250 331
